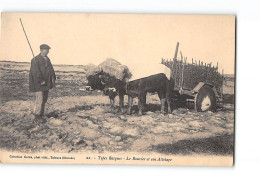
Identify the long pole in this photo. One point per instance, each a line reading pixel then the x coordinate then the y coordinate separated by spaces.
pixel 176 51
pixel 222 86
pixel 26 37
pixel 174 61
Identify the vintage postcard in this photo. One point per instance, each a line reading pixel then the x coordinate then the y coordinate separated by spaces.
pixel 136 89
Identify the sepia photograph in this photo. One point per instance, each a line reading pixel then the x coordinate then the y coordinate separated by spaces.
pixel 134 89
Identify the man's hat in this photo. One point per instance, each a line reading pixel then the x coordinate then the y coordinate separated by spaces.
pixel 44 46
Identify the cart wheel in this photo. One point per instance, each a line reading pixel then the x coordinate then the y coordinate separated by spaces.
pixel 205 100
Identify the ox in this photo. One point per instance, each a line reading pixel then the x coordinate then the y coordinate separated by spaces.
pixel 158 83
pixel 109 85
pixel 139 88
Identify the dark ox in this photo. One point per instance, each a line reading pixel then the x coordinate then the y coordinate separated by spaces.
pixel 94 82
pixel 112 87
pixel 109 85
pixel 158 83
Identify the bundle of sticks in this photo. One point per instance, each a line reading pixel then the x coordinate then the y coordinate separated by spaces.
pixel 111 67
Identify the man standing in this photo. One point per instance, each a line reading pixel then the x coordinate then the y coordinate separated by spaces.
pixel 41 79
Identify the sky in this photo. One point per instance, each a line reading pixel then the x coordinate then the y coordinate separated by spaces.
pixel 138 41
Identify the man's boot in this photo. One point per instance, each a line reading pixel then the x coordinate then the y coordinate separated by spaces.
pixel 39 119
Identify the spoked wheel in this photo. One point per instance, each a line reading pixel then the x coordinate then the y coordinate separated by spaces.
pixel 205 100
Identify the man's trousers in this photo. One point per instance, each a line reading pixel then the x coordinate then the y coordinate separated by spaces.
pixel 41 98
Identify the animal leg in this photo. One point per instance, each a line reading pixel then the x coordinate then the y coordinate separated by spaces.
pixel 112 103
pixel 169 105
pixel 170 94
pixel 162 97
pixel 163 105
pixel 140 104
pixel 144 100
pixel 130 103
pixel 121 101
pixel 168 99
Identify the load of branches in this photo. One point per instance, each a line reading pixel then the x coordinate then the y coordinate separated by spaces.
pixel 111 67
pixel 188 75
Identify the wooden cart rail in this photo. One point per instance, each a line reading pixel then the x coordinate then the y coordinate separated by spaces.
pixel 189 75
pixel 199 80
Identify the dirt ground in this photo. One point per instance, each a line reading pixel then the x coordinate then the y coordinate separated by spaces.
pixel 79 121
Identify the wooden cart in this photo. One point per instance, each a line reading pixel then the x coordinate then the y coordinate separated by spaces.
pixel 196 82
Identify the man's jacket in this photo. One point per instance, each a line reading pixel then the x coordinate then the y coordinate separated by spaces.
pixel 41 70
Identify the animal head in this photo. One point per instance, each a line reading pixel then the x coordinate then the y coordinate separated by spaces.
pixel 110 91
pixel 101 81
pixel 94 82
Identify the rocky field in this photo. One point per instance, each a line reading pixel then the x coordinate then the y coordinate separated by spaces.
pixel 79 121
